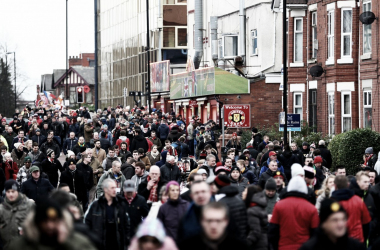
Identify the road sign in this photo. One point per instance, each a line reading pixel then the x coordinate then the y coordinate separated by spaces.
pixel 125 92
pixel 293 121
pixel 237 115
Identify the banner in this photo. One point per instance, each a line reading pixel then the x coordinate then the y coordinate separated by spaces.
pixel 159 76
pixel 237 115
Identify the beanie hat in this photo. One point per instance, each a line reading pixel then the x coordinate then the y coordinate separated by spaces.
pixel 49 152
pixel 11 184
pixel 151 227
pixel 318 159
pixel 47 209
pixel 297 184
pixel 254 130
pixel 235 168
pixel 328 207
pixel 89 121
pixel 305 144
pixel 16 145
pixel 169 184
pixel 71 162
pixel 279 174
pixel 243 157
pixel 312 145
pixel 219 164
pixel 367 150
pixel 270 184
pixel 27 159
pixel 297 170
pixel 70 153
pixel 34 168
pixel 222 181
pixel 309 172
pixel 202 171
pixel 234 134
pixel 220 169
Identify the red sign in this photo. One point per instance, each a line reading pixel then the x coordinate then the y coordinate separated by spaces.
pixel 237 115
pixel 193 103
pixel 86 89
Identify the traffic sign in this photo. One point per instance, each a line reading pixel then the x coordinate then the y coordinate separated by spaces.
pixel 293 122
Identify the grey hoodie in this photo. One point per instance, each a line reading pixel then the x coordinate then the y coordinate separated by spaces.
pixel 138 179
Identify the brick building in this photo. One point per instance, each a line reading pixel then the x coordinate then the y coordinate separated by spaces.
pixel 329 34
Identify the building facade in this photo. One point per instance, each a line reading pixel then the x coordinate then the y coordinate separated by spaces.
pixel 329 34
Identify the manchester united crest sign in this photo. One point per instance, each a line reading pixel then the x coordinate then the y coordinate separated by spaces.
pixel 237 115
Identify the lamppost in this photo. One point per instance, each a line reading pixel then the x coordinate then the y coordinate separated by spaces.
pixel 14 67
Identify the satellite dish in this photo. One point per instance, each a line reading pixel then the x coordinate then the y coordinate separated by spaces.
pixel 367 17
pixel 316 71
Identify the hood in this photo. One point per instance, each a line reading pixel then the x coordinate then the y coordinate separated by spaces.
pixel 126 165
pixel 297 184
pixel 123 138
pixel 229 191
pixel 342 194
pixel 287 154
pixel 139 138
pixel 259 199
pixel 174 131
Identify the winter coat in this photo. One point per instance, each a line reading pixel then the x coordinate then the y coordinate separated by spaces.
pixel 76 184
pixel 57 128
pixel 293 219
pixel 234 144
pixel 39 139
pixel 258 222
pixel 320 241
pixel 237 210
pixel 271 202
pixel 287 159
pixel 12 216
pixel 95 165
pixel 326 155
pixel 19 161
pixel 88 132
pixel 156 141
pixel 128 170
pixel 51 169
pixel 69 144
pixel 174 135
pixel 170 173
pixel 74 128
pixel 88 174
pixel 145 159
pixel 96 218
pixel 252 178
pixel 107 163
pixel 101 154
pixel 189 225
pixel 357 210
pixel 36 189
pixel 143 190
pixel 9 138
pixel 139 141
pixel 22 175
pixel 253 152
pixel 77 148
pixel 52 145
pixel 170 214
pixel 153 160
pixel 163 131
pixel 241 184
pixel 39 156
pixel 120 179
pixel 163 159
pixel 11 172
pixel 137 211
pixel 198 242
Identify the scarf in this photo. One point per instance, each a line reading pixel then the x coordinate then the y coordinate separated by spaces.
pixel 153 192
pixel 81 145
pixel 8 170
pixel 154 155
pixel 252 204
pixel 129 199
pixel 367 159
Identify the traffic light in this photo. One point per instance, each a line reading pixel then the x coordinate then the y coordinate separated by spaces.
pixel 147 87
pixel 132 93
pixel 80 95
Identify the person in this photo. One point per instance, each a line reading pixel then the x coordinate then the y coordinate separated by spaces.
pixel 150 187
pixel 271 195
pixel 98 152
pixel 214 233
pixel 50 144
pixel 154 155
pixel 293 213
pixel 13 212
pixel 24 172
pixel 332 232
pixel 185 192
pixel 238 180
pixel 78 147
pixel 155 140
pixel 162 199
pixel 370 158
pixel 88 175
pixel 9 167
pixel 246 172
pixel 325 191
pixel 114 174
pixel 151 236
pixel 49 227
pixel 9 136
pixel 234 144
pixel 107 218
pixel 163 131
pixel 170 171
pixel 139 141
pixel 172 211
pixel 340 170
pixel 19 139
pixel 38 137
pixel 88 131
pixel 359 217
pixel 134 204
pixel 74 178
pixel 36 187
pixel 269 173
pixel 111 157
pixel 69 143
pixel 257 218
pixel 140 173
pixel 50 166
pixel 36 154
pixel 325 153
pixel 190 223
pixel 144 158
pixel 18 154
pixel 97 168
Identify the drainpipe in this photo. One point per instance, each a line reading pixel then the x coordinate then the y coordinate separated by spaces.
pixel 159 56
pixel 242 30
pixel 198 32
pixel 214 38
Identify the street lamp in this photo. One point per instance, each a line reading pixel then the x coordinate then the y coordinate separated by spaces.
pixel 14 67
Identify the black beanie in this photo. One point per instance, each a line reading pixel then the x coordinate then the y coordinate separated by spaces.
pixel 11 184
pixel 235 168
pixel 328 207
pixel 270 184
pixel 47 209
pixel 222 180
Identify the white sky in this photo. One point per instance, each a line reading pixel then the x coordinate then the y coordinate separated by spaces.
pixel 36 31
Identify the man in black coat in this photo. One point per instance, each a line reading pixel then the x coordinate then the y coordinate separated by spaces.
pixel 153 183
pixel 332 231
pixel 36 187
pixel 50 144
pixel 75 180
pixel 135 205
pixel 139 141
pixel 50 166
pixel 170 171
pixel 88 175
pixel 325 153
pixel 69 143
pixel 38 137
pixel 104 142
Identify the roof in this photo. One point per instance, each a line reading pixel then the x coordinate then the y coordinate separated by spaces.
pixel 277 4
pixel 47 82
pixel 86 73
pixel 57 74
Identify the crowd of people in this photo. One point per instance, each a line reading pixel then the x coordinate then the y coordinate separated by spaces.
pixel 123 178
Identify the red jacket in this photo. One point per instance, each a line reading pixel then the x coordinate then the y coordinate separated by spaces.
pixel 296 217
pixel 357 212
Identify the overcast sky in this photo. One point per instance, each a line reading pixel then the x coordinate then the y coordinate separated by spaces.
pixel 36 31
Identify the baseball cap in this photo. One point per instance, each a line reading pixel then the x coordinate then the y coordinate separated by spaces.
pixel 129 186
pixel 271 153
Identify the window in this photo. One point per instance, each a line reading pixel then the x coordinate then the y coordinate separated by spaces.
pixel 346 39
pixel 313 109
pixel 346 111
pixel 298 104
pixel 331 103
pixel 220 45
pixel 174 37
pixel 367 103
pixel 330 35
pixel 73 94
pixel 89 97
pixel 254 42
pixel 367 30
pixel 230 46
pixel 298 36
pixel 314 34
